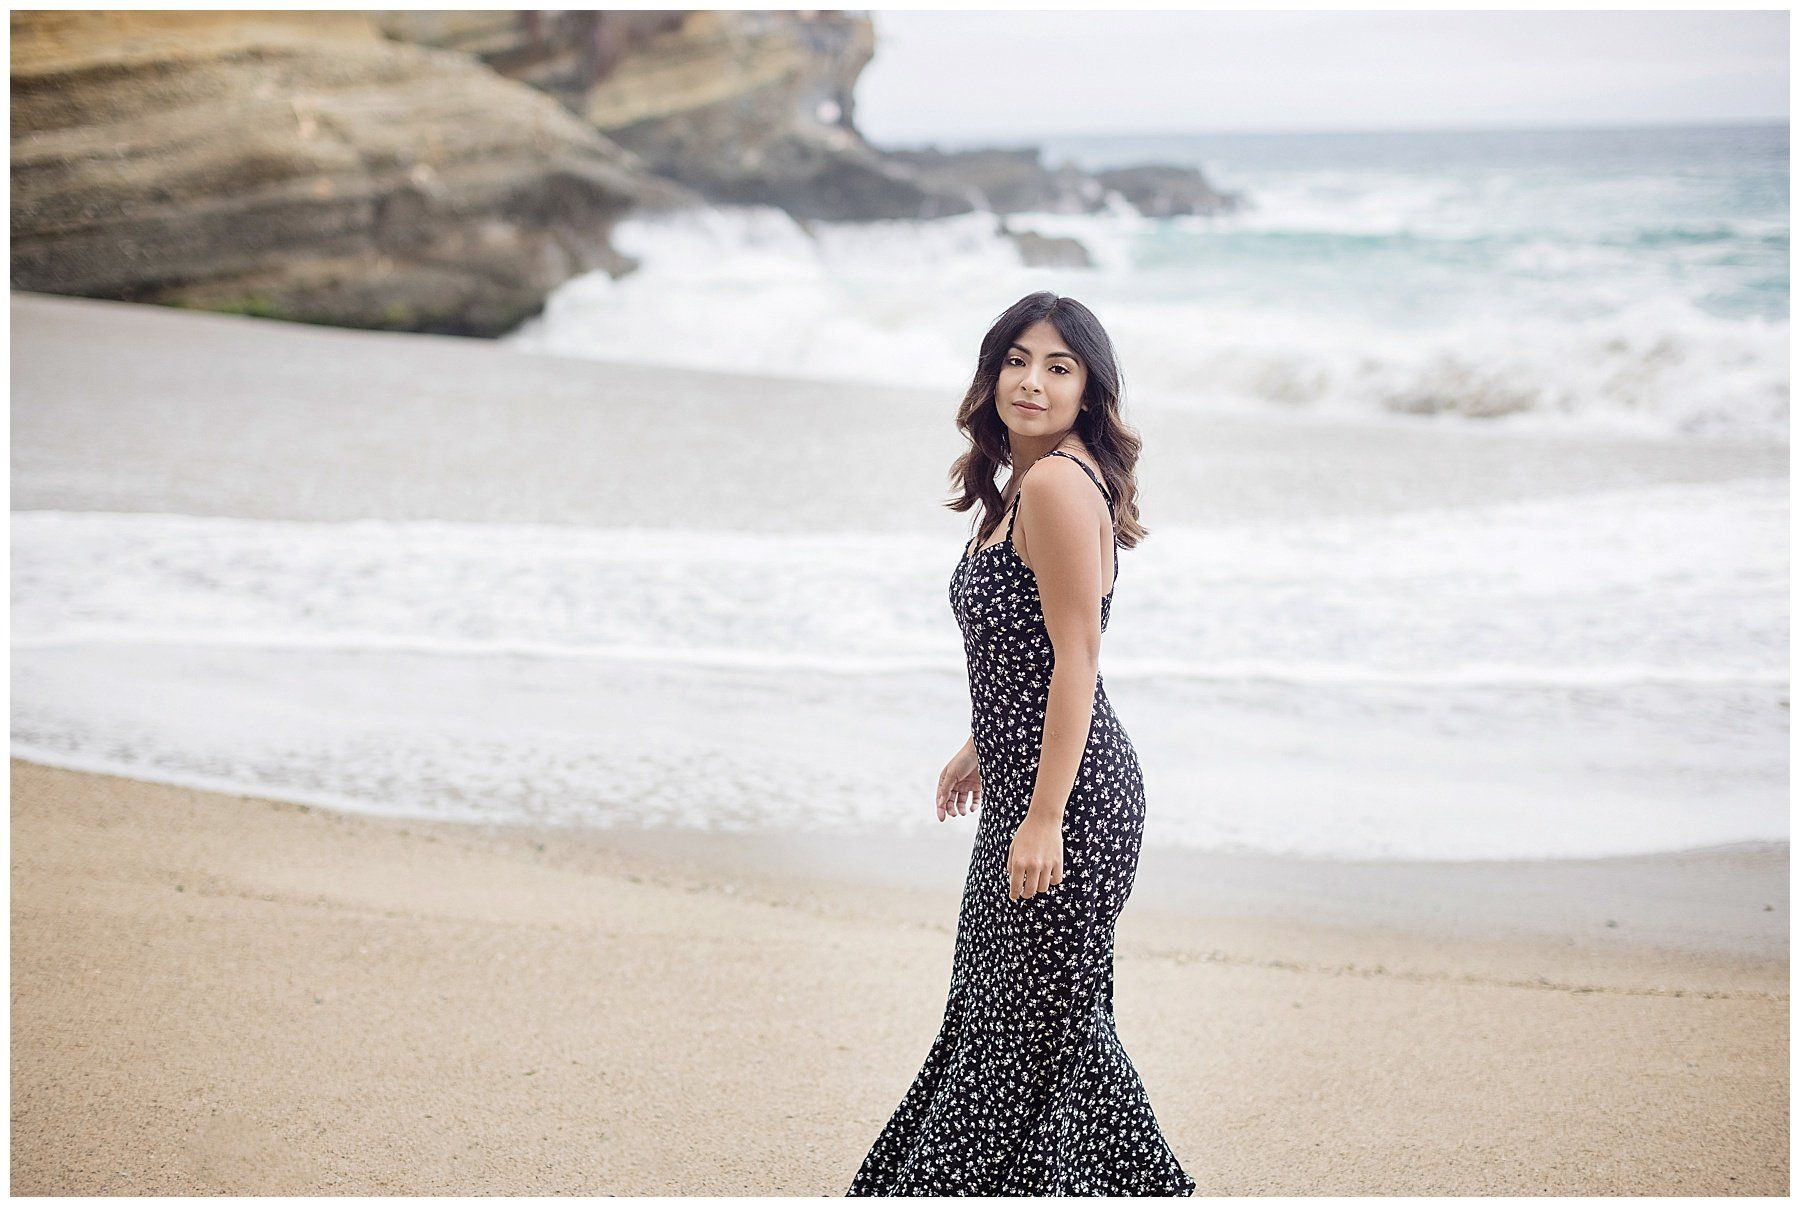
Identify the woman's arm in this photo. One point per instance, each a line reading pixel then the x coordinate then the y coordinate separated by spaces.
pixel 1063 535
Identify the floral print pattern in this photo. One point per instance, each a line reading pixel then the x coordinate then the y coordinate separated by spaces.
pixel 1026 1089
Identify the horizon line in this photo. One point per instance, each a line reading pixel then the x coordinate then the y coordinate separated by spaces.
pixel 1202 132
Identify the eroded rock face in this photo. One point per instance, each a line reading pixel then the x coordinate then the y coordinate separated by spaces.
pixel 301 165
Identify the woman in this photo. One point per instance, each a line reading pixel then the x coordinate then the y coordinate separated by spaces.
pixel 1026 1089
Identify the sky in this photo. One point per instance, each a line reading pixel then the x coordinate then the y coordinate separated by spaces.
pixel 962 75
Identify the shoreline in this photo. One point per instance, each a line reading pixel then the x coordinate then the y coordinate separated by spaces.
pixel 1728 900
pixel 546 1013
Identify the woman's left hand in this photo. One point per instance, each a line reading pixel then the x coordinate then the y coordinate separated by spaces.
pixel 1035 861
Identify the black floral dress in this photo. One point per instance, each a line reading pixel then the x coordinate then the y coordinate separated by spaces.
pixel 1026 1089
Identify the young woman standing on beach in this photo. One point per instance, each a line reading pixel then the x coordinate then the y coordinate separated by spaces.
pixel 1026 1089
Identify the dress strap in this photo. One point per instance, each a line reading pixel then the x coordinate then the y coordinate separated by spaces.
pixel 1012 512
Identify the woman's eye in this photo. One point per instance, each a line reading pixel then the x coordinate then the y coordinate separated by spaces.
pixel 1064 370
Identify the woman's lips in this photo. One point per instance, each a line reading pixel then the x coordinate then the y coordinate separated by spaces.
pixel 1026 406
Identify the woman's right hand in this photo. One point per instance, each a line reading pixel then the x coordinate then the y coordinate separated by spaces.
pixel 959 786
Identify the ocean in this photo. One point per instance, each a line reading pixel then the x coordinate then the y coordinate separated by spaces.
pixel 1493 563
pixel 1628 280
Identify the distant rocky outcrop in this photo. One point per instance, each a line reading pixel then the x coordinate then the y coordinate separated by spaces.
pixel 300 164
pixel 1048 251
pixel 744 106
pixel 1006 180
pixel 1010 180
pixel 1168 191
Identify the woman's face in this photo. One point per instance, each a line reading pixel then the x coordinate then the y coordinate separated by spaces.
pixel 1039 370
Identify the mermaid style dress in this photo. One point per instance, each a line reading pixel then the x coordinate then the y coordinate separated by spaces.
pixel 1026 1089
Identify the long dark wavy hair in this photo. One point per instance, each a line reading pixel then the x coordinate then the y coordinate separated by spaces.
pixel 1113 443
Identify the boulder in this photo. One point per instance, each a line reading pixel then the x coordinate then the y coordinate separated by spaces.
pixel 1049 251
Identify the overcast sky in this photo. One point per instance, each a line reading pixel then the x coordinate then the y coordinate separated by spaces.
pixel 967 75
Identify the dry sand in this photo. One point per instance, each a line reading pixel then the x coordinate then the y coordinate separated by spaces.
pixel 217 994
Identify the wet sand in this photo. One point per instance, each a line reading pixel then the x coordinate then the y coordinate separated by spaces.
pixel 126 406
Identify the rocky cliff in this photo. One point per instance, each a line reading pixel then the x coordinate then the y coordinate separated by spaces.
pixel 301 164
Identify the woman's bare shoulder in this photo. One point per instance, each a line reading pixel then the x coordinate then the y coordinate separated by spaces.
pixel 1060 480
pixel 1057 499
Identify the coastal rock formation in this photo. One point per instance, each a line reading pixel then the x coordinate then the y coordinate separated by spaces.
pixel 744 106
pixel 1006 180
pixel 1009 180
pixel 302 165
pixel 1166 191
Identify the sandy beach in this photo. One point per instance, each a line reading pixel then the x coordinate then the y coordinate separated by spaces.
pixel 216 994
